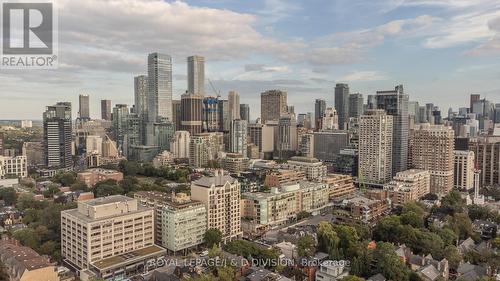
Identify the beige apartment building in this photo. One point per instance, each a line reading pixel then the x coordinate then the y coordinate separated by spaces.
pixel 234 163
pixel 16 166
pixel 156 200
pixel 463 178
pixel 221 195
pixel 432 149
pixel 375 147
pixel 339 186
pixel 408 186
pixel 109 236
pixel 92 176
pixel 487 152
pixel 281 177
pixel 312 167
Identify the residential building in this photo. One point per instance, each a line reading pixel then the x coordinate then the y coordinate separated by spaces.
pixel 191 113
pixel 408 186
pixel 196 75
pixel 157 201
pixel 342 104
pixel 214 143
pixel 210 118
pixel 141 95
pixel 179 144
pixel 13 166
pixel 238 140
pixel 319 112
pixel 339 186
pixel 277 178
pixel 355 105
pixel 313 168
pixel 487 158
pixel 2 136
pixel 327 145
pixel 198 152
pixel 83 107
pixel 33 152
pixel 286 137
pixel 330 120
pixel 463 176
pixel 306 145
pixel 106 110
pixel 330 270
pixel 165 158
pixel 221 195
pixel 108 235
pixel 262 136
pixel 395 104
pixel 375 147
pixel 234 105
pixel 92 176
pixel 176 114
pixel 432 149
pixel 245 112
pixel 57 139
pixel 159 98
pixel 234 163
pixel 273 104
pixel 224 118
pixel 361 210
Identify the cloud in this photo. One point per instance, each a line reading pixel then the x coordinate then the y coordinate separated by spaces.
pixel 363 76
pixel 492 46
pixel 265 68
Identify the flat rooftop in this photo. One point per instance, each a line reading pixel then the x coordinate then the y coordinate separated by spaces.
pixel 129 257
pixel 108 200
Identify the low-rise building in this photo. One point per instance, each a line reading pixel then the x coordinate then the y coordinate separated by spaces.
pixel 408 186
pixel 156 200
pixel 166 158
pixel 361 210
pixel 281 177
pixel 313 168
pixel 339 186
pixel 330 270
pixel 92 176
pixel 234 163
pixel 13 166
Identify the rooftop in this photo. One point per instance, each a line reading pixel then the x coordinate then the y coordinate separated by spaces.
pixel 219 179
pixel 129 257
pixel 108 200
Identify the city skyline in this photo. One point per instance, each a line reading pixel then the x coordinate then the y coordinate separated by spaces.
pixel 406 42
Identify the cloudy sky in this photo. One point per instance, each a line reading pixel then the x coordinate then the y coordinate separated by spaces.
pixel 441 50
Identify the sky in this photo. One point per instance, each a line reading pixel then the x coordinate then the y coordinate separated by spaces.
pixel 440 50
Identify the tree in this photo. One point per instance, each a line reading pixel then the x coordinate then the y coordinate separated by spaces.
pixel 448 236
pixel 328 241
pixel 452 203
pixel 413 207
pixel 453 256
pixel 28 237
pixel 461 225
pixel 412 218
pixel 352 278
pixel 303 215
pixel 8 195
pixel 129 183
pixel 348 240
pixel 225 273
pixel 388 263
pixel 306 246
pixel 384 230
pixel 212 237
pixel 79 186
pixel 65 178
pixel 496 243
pixel 129 168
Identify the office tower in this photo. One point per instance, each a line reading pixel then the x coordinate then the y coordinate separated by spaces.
pixel 245 112
pixel 414 112
pixel 2 135
pixel 408 186
pixel 221 195
pixel 436 116
pixel 262 136
pixel 198 152
pixel 106 110
pixel 179 144
pixel 101 233
pixel 432 149
pixel 176 114
pixel 355 105
pixel 327 145
pixel 342 104
pixel 309 124
pixel 301 119
pixel 330 120
pixel 141 95
pixel 319 111
pixel 496 115
pixel 191 111
pixel 487 150
pixel 238 139
pixel 473 98
pixel 13 166
pixel 371 103
pixel 287 137
pixel 306 145
pixel 196 75
pixel 57 136
pixel 224 120
pixel 159 101
pixel 163 132
pixel 395 103
pixel 83 107
pixel 429 118
pixel 211 114
pixel 375 147
pixel 272 105
pixel 463 178
pixel 119 124
pixel 234 105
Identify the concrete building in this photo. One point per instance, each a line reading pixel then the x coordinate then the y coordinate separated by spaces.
pixel 330 120
pixel 355 105
pixel 92 176
pixel 179 145
pixel 234 105
pixel 141 95
pixel 210 118
pixel 339 186
pixel 159 98
pixel 395 104
pixel 487 152
pixel 106 110
pixel 33 152
pixel 176 114
pixel 245 112
pixel 13 166
pixel 57 139
pixel 234 163
pixel 463 176
pixel 319 112
pixel 313 168
pixel 306 145
pixel 164 159
pixel 286 137
pixel 327 145
pixel 342 104
pixel 408 186
pixel 361 210
pixel 83 107
pixel 196 75
pixel 110 236
pixel 157 201
pixel 2 136
pixel 262 136
pixel 224 118
pixel 198 152
pixel 375 147
pixel 273 104
pixel 93 144
pixel 238 138
pixel 277 178
pixel 432 149
pixel 191 113
pixel 221 195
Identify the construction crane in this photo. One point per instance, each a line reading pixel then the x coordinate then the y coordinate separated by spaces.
pixel 216 92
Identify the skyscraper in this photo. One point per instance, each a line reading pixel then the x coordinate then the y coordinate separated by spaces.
pixel 375 147
pixel 106 110
pixel 342 104
pixel 159 87
pixel 473 98
pixel 176 114
pixel 224 120
pixel 1 143
pixel 432 149
pixel 191 113
pixel 141 95
pixel 239 137
pixel 57 136
pixel 395 103
pixel 196 75
pixel 319 111
pixel 234 105
pixel 272 105
pixel 355 105
pixel 119 124
pixel 211 114
pixel 330 120
pixel 83 107
pixel 245 112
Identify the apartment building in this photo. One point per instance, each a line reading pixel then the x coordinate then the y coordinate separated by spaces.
pixel 281 177
pixel 487 152
pixel 221 195
pixel 156 200
pixel 110 237
pixel 339 186
pixel 463 177
pixel 92 176
pixel 408 186
pixel 13 166
pixel 313 168
pixel 361 210
pixel 234 163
